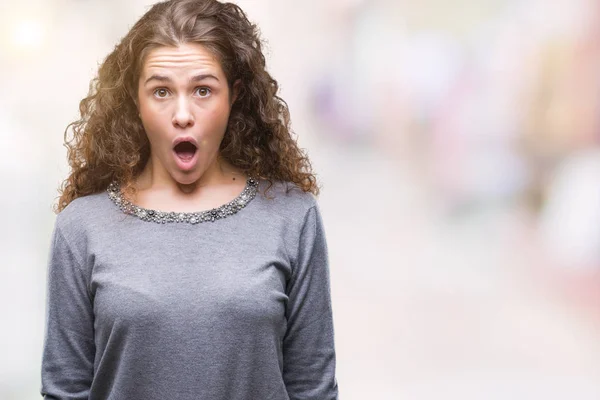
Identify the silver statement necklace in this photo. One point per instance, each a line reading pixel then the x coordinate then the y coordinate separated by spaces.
pixel 161 217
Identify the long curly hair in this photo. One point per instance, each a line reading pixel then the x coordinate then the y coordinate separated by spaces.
pixel 108 140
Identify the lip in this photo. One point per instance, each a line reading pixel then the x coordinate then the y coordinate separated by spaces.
pixel 190 164
pixel 185 139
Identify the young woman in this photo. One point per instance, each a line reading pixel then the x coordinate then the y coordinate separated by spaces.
pixel 188 258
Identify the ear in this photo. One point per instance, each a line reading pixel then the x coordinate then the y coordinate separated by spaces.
pixel 235 91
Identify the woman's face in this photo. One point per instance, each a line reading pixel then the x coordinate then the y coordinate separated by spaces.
pixel 183 95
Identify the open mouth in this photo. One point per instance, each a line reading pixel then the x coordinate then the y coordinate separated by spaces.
pixel 185 150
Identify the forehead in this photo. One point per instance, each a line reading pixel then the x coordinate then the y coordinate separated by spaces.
pixel 184 58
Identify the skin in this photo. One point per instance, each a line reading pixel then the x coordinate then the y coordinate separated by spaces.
pixel 171 104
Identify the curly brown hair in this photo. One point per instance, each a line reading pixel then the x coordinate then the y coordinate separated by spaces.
pixel 109 142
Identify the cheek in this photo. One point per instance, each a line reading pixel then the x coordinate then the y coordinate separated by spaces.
pixel 214 123
pixel 153 121
pixel 216 116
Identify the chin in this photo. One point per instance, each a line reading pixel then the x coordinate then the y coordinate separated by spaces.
pixel 186 179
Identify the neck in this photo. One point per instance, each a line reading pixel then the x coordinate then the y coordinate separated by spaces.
pixel 154 177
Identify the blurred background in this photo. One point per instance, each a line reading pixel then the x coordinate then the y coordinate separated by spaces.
pixel 458 145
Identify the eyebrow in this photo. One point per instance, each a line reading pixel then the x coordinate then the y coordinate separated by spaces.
pixel 197 78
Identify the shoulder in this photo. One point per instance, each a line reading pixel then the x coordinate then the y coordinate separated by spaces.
pixel 73 221
pixel 287 198
pixel 293 214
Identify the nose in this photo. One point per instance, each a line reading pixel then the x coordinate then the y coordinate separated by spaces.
pixel 183 116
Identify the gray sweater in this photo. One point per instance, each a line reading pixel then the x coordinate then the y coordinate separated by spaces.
pixel 235 309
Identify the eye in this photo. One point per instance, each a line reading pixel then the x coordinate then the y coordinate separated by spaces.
pixel 203 91
pixel 161 92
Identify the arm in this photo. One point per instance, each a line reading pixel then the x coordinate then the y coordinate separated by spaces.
pixel 308 346
pixel 69 349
